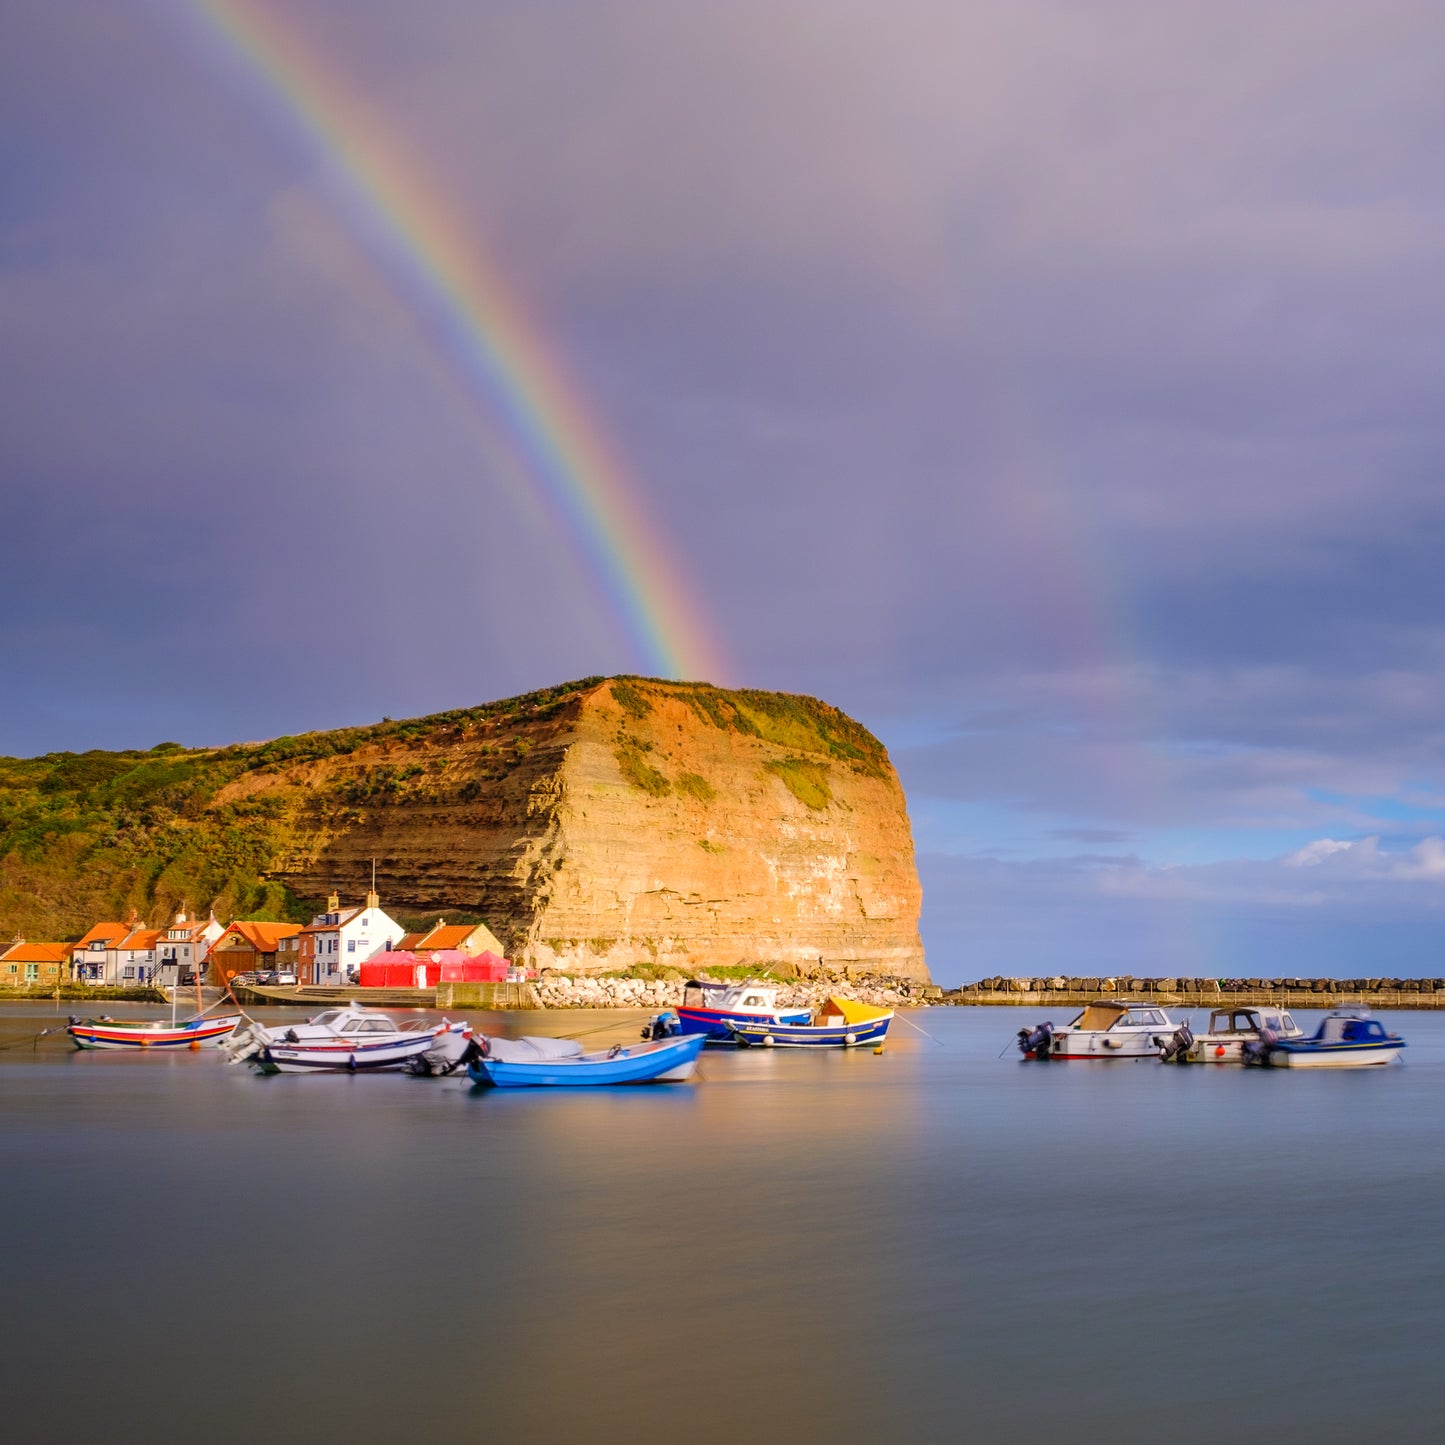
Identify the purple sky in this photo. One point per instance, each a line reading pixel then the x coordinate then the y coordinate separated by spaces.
pixel 1054 386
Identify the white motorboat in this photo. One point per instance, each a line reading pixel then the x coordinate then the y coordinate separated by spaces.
pixel 1345 1039
pixel 1235 1032
pixel 339 1040
pixel 1107 1029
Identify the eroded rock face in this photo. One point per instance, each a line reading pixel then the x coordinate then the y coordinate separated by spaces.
pixel 633 822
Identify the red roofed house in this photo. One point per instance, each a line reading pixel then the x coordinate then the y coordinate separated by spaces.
pixel 32 963
pixel 468 938
pixel 245 947
pixel 88 959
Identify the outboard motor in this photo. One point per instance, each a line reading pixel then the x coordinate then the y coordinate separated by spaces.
pixel 1256 1051
pixel 664 1026
pixel 1037 1043
pixel 1172 1049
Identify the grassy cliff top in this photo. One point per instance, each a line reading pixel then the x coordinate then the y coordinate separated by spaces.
pixel 95 834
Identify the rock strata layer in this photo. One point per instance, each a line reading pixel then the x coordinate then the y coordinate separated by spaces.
pixel 639 823
pixel 595 827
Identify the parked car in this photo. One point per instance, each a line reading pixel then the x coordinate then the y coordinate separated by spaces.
pixel 242 979
pixel 282 977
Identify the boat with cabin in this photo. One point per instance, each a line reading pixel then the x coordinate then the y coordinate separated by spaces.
pixel 1109 1028
pixel 839 1023
pixel 1345 1039
pixel 1233 1032
pixel 709 1008
pixel 349 1039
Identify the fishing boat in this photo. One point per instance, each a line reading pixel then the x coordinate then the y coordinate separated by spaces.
pixel 1345 1039
pixel 1106 1029
pixel 709 1008
pixel 1232 1032
pixel 196 1033
pixel 339 1040
pixel 561 1063
pixel 839 1023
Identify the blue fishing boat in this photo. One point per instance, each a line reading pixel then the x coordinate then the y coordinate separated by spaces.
pixel 532 1063
pixel 709 1008
pixel 1345 1039
pixel 840 1023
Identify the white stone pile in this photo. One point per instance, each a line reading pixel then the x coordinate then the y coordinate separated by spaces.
pixel 559 991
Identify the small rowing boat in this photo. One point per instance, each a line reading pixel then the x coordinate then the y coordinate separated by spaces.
pixel 839 1023
pixel 560 1063
pixel 194 1033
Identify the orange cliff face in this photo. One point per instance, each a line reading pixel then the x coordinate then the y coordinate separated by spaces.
pixel 627 822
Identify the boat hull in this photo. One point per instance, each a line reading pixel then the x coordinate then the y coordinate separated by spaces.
pixel 663 1061
pixel 1333 1056
pixel 811 1036
pixel 715 1024
pixel 209 1033
pixel 344 1056
pixel 1091 1045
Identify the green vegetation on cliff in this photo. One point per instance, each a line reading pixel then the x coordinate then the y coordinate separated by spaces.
pixel 85 836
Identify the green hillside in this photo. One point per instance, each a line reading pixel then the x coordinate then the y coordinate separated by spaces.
pixel 93 835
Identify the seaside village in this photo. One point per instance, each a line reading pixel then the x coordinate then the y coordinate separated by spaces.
pixel 359 945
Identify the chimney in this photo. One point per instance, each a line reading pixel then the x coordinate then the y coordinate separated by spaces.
pixel 372 901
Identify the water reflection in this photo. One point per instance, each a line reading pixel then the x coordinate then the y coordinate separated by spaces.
pixel 931 1244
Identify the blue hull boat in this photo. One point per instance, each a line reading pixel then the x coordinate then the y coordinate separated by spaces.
pixel 1346 1039
pixel 710 1008
pixel 839 1024
pixel 506 1065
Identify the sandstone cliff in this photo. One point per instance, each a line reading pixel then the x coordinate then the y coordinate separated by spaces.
pixel 595 826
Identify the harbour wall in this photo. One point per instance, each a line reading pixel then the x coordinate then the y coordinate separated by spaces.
pixel 1405 993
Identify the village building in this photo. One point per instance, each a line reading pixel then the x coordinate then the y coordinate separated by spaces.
pixel 183 948
pixel 468 938
pixel 132 960
pixel 88 958
pixel 246 947
pixel 32 964
pixel 336 943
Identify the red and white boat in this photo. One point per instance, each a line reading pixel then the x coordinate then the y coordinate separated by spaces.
pixel 197 1033
pixel 1107 1029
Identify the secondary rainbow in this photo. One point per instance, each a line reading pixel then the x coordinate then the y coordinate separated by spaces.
pixel 478 329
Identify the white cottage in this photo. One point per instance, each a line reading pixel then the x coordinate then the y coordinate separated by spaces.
pixel 183 948
pixel 336 943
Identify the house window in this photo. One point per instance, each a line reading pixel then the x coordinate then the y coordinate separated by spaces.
pixel 32 972
pixel 14 968
pixel 351 945
pixel 129 971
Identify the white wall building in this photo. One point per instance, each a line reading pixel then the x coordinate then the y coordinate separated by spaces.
pixel 336 943
pixel 183 947
pixel 132 960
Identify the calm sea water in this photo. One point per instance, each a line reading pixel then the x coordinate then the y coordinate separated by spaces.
pixel 932 1244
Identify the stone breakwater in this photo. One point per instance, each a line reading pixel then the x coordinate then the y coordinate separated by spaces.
pixel 557 991
pixel 1204 992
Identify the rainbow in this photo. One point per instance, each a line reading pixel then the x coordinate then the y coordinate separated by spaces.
pixel 480 333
